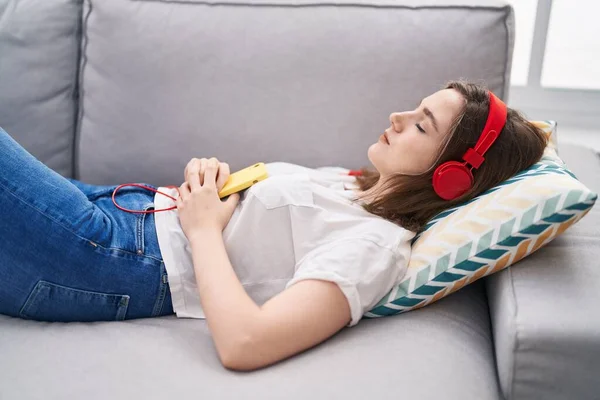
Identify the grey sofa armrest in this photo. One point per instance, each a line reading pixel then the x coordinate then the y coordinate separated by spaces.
pixel 544 309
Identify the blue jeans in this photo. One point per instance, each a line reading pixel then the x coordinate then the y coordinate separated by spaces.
pixel 67 253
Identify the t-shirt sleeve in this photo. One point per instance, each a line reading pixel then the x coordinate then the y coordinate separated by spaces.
pixel 364 270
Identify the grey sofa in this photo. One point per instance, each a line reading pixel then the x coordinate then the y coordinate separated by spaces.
pixel 116 91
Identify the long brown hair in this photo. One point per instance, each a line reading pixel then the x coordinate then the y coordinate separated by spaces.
pixel 410 200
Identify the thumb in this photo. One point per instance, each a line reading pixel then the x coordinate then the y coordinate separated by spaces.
pixel 232 201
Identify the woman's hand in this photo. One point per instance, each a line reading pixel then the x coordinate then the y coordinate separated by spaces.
pixel 199 205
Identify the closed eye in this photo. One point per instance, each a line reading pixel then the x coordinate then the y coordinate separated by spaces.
pixel 420 128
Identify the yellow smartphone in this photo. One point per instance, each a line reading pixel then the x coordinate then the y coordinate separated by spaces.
pixel 244 178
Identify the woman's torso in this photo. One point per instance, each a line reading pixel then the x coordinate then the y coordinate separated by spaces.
pixel 277 223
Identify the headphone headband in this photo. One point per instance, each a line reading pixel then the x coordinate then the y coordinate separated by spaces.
pixel 493 126
pixel 453 178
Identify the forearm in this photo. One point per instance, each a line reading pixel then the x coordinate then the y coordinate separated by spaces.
pixel 229 310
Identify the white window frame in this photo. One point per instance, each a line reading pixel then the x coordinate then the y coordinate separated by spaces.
pixel 577 108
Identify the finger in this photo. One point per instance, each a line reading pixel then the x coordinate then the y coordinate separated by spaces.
pixel 223 175
pixel 194 179
pixel 203 162
pixel 189 166
pixel 184 191
pixel 194 164
pixel 210 173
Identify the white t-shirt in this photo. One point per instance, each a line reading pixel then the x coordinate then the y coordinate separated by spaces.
pixel 299 223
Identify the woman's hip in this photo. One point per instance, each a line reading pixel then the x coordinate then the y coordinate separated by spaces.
pixel 67 253
pixel 63 277
pixel 108 268
pixel 130 232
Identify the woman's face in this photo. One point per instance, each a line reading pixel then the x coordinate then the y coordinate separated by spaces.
pixel 415 137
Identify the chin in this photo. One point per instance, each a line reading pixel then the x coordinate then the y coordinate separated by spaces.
pixel 373 156
pixel 373 149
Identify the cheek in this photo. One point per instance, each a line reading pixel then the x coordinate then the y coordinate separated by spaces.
pixel 419 156
pixel 428 155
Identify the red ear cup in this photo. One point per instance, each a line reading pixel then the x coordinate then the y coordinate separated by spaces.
pixel 452 179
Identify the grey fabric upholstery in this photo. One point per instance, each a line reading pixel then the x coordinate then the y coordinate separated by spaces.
pixel 271 80
pixel 309 83
pixel 544 309
pixel 39 57
pixel 441 351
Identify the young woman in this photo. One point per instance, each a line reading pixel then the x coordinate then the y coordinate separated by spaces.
pixel 275 269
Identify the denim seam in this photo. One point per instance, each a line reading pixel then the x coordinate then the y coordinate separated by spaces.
pixel 140 228
pixel 127 252
pixel 139 233
pixel 30 298
pixel 162 292
pixel 121 308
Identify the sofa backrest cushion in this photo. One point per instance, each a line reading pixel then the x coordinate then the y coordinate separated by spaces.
pixel 39 59
pixel 307 82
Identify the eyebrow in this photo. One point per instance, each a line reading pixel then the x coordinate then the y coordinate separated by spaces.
pixel 428 113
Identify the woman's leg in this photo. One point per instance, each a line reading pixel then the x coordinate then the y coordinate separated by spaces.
pixel 93 192
pixel 57 262
pixel 33 190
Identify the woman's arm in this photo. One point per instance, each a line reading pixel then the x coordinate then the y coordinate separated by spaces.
pixel 249 337
pixel 228 308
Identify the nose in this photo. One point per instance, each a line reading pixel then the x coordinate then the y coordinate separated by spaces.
pixel 399 119
pixel 395 120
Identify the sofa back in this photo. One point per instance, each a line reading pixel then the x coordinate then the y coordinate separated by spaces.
pixel 39 42
pixel 307 82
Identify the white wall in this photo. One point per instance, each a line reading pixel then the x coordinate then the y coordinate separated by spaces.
pixel 556 66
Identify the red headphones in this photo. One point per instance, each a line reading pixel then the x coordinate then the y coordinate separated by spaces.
pixel 453 178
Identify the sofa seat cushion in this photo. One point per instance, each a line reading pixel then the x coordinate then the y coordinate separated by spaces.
pixel 440 352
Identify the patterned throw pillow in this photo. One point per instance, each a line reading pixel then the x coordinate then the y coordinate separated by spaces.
pixel 490 232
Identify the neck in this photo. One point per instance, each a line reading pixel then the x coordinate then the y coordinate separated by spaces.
pixel 370 194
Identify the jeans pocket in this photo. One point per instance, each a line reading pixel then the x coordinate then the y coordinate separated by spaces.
pixel 55 303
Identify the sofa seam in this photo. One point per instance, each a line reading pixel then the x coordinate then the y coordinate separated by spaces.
pixel 75 84
pixel 80 87
pixel 505 81
pixel 515 335
pixel 323 4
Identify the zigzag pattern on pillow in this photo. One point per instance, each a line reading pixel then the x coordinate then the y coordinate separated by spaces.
pixel 489 233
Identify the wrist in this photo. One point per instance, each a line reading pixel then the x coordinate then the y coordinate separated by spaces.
pixel 205 233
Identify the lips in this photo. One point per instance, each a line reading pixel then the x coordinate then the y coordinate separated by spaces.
pixel 384 138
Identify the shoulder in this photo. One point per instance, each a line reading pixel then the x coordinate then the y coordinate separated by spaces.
pixel 366 246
